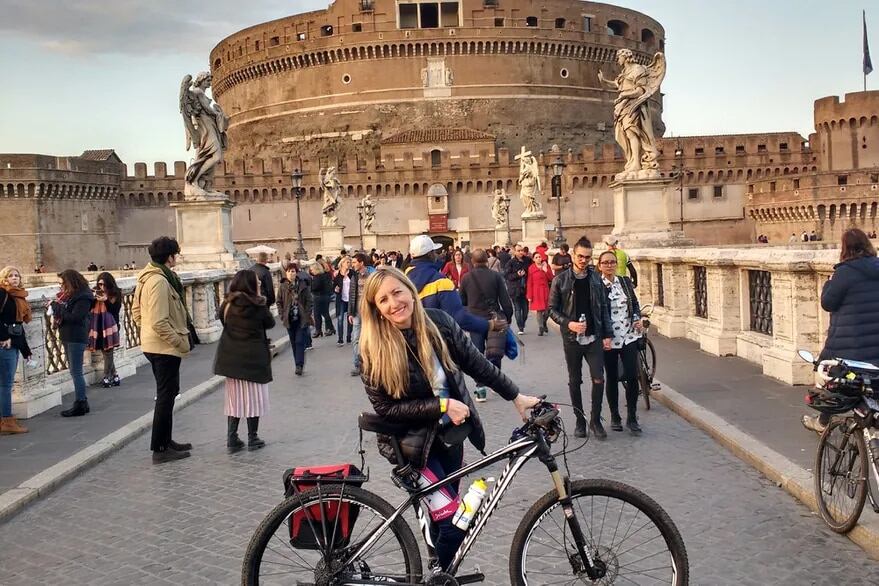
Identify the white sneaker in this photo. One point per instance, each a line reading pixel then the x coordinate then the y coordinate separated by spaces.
pixel 521 332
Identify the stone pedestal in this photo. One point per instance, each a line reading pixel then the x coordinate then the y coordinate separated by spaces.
pixel 370 241
pixel 501 236
pixel 643 210
pixel 204 231
pixel 332 239
pixel 533 230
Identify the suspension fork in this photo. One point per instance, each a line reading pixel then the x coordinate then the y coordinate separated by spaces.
pixel 562 485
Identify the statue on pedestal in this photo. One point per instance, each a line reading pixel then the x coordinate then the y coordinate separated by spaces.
pixel 633 116
pixel 331 188
pixel 500 208
pixel 205 124
pixel 367 208
pixel 529 183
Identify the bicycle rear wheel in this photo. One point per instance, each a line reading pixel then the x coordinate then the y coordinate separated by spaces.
pixel 274 557
pixel 644 380
pixel 841 475
pixel 626 531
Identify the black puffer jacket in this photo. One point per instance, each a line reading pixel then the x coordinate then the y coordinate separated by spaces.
pixel 421 408
pixel 73 317
pixel 243 352
pixel 852 298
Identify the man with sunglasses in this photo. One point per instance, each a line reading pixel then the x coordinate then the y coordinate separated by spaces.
pixel 578 304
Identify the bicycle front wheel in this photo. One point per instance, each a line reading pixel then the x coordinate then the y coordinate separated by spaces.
pixel 629 535
pixel 307 539
pixel 841 475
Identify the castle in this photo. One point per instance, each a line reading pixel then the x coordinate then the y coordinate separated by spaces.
pixel 424 105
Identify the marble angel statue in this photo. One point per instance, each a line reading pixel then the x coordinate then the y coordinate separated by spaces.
pixel 205 124
pixel 500 208
pixel 367 208
pixel 331 188
pixel 529 183
pixel 633 114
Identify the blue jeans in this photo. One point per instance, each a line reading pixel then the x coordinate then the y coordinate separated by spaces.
pixel 355 339
pixel 298 340
pixel 8 364
pixel 520 308
pixel 75 351
pixel 342 319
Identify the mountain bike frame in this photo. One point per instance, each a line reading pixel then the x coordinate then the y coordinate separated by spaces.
pixel 522 447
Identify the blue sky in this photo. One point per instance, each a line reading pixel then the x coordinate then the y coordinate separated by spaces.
pixel 83 74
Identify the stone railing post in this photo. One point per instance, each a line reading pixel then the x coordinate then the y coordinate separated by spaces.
pixel 795 324
pixel 203 305
pixel 671 319
pixel 724 311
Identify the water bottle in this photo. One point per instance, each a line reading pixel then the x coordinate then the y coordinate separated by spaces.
pixel 581 338
pixel 470 504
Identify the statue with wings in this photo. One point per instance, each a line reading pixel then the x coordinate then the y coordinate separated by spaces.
pixel 331 188
pixel 205 124
pixel 633 114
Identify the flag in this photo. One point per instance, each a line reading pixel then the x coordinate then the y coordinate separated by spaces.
pixel 868 64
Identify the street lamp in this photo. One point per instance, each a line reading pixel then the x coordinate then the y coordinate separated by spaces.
pixel 679 169
pixel 558 169
pixel 507 207
pixel 360 208
pixel 300 253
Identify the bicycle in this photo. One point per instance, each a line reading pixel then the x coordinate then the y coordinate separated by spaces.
pixel 847 447
pixel 646 359
pixel 563 537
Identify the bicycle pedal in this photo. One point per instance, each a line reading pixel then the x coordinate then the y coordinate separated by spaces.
pixel 471 578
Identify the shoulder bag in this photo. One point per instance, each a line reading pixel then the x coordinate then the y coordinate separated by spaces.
pixel 14 329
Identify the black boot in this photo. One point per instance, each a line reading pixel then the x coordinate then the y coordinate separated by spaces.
pixel 596 428
pixel 79 408
pixel 233 442
pixel 616 422
pixel 253 441
pixel 580 429
pixel 632 420
pixel 184 447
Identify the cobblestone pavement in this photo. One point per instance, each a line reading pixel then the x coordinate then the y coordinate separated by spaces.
pixel 128 522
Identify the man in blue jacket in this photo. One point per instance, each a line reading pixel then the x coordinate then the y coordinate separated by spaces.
pixel 437 291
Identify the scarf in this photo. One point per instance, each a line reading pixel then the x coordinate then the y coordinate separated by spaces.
pixel 175 283
pixel 22 307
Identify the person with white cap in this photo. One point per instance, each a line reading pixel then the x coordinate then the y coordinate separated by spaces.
pixel 438 291
pixel 625 267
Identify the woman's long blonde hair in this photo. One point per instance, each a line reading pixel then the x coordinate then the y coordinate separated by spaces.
pixel 382 346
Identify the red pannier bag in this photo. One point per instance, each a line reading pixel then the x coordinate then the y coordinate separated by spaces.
pixel 306 531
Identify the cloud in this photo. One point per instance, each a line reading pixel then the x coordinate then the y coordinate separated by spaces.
pixel 85 27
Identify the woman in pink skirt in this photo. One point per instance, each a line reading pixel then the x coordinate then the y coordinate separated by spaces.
pixel 244 358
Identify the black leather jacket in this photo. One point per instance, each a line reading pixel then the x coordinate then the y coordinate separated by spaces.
pixel 421 408
pixel 561 305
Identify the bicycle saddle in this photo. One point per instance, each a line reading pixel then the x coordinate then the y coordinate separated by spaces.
pixel 374 423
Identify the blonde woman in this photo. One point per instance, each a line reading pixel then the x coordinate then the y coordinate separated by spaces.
pixel 342 288
pixel 413 366
pixel 14 313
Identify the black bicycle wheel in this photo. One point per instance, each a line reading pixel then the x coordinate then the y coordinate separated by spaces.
pixel 644 381
pixel 841 475
pixel 650 353
pixel 274 557
pixel 626 531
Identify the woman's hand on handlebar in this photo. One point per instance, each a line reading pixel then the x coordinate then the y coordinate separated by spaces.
pixel 457 411
pixel 523 403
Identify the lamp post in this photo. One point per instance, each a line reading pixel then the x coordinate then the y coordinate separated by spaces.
pixel 507 206
pixel 360 208
pixel 558 169
pixel 300 253
pixel 679 169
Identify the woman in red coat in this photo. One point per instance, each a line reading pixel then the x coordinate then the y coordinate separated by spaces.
pixel 537 290
pixel 456 268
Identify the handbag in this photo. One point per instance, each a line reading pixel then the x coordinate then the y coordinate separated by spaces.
pixel 13 329
pixel 496 342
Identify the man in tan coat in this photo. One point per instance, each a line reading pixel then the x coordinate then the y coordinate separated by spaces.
pixel 160 312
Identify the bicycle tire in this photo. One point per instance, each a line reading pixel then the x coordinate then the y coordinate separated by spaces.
pixel 650 352
pixel 848 522
pixel 599 487
pixel 266 529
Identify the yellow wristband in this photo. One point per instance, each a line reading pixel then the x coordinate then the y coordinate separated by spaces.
pixel 444 405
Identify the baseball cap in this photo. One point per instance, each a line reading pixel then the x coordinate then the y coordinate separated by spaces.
pixel 611 240
pixel 421 245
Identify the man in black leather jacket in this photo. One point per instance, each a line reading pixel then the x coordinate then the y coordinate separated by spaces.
pixel 578 291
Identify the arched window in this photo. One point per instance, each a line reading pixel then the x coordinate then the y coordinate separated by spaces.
pixel 647 36
pixel 436 158
pixel 617 28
